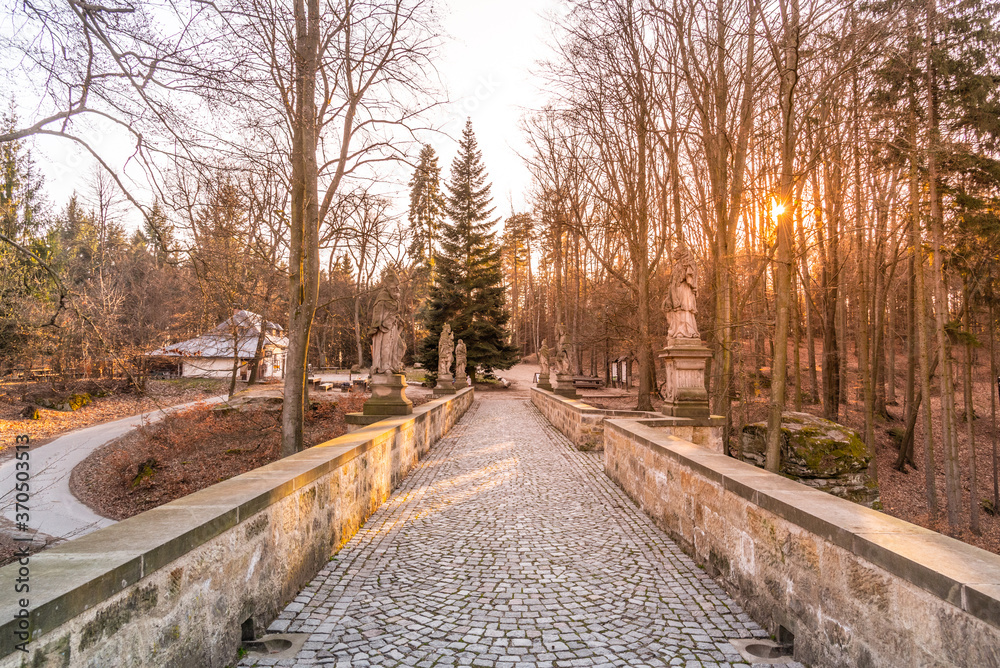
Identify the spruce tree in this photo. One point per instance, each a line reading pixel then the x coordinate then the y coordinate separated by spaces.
pixel 467 290
pixel 426 207
pixel 20 185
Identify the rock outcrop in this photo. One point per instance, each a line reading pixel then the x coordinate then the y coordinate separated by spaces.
pixel 73 402
pixel 818 453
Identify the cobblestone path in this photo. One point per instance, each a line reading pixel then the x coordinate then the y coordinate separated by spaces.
pixel 507 547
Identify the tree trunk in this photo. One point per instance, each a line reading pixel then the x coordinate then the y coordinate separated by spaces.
pixel 236 366
pixel 948 439
pixel 783 268
pixel 807 302
pixel 921 323
pixel 993 407
pixel 558 269
pixel 358 339
pixel 303 269
pixel 970 416
pixel 259 350
pixel 864 329
pixel 796 343
pixel 830 280
pixel 890 353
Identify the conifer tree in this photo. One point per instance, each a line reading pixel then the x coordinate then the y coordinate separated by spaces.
pixel 20 185
pixel 426 207
pixel 158 234
pixel 467 291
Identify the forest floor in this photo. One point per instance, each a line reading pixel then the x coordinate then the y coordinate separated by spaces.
pixel 903 494
pixel 117 402
pixel 195 448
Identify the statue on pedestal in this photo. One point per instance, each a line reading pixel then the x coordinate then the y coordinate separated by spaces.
pixel 562 351
pixel 461 361
pixel 544 362
pixel 564 384
pixel 680 303
pixel 543 358
pixel 446 347
pixel 685 355
pixel 388 346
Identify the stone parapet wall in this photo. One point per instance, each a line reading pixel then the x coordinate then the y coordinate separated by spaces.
pixel 583 424
pixel 173 586
pixel 579 422
pixel 854 586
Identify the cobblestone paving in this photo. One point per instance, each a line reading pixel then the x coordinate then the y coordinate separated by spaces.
pixel 506 547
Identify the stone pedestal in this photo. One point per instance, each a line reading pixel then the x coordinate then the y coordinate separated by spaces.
pixel 461 381
pixel 543 382
pixel 565 387
pixel 388 399
pixel 684 393
pixel 445 385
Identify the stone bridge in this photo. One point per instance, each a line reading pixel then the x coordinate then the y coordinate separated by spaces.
pixel 505 544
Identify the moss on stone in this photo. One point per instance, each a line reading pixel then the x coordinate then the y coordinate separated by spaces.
pixel 73 402
pixel 112 618
pixel 817 452
pixel 78 401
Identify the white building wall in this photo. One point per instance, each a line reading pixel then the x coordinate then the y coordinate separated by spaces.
pixel 207 367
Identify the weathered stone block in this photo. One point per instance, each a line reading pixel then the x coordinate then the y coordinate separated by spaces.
pixel 818 453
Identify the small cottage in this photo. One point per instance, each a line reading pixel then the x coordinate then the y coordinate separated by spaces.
pixel 211 354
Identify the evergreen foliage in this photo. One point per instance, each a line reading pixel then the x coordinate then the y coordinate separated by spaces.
pixel 20 185
pixel 467 291
pixel 158 234
pixel 24 286
pixel 426 207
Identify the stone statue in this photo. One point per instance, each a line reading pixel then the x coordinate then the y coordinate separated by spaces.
pixel 680 303
pixel 446 348
pixel 461 359
pixel 562 351
pixel 388 346
pixel 543 357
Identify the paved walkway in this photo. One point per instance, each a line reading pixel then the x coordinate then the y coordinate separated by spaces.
pixel 506 547
pixel 56 514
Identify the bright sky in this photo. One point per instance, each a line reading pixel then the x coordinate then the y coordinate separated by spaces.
pixel 487 63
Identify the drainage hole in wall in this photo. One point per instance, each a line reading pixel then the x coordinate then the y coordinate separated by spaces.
pixel 276 645
pixel 246 630
pixel 758 651
pixel 763 651
pixel 270 646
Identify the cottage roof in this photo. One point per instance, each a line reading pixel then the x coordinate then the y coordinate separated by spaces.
pixel 219 342
pixel 246 320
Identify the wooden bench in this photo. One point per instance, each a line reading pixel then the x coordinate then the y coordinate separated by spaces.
pixel 326 387
pixel 588 382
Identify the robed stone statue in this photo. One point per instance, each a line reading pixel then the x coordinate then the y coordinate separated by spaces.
pixel 562 351
pixel 446 348
pixel 543 357
pixel 388 346
pixel 680 303
pixel 461 359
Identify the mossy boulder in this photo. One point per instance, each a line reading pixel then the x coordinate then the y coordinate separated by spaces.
pixel 254 399
pixel 818 453
pixel 73 402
